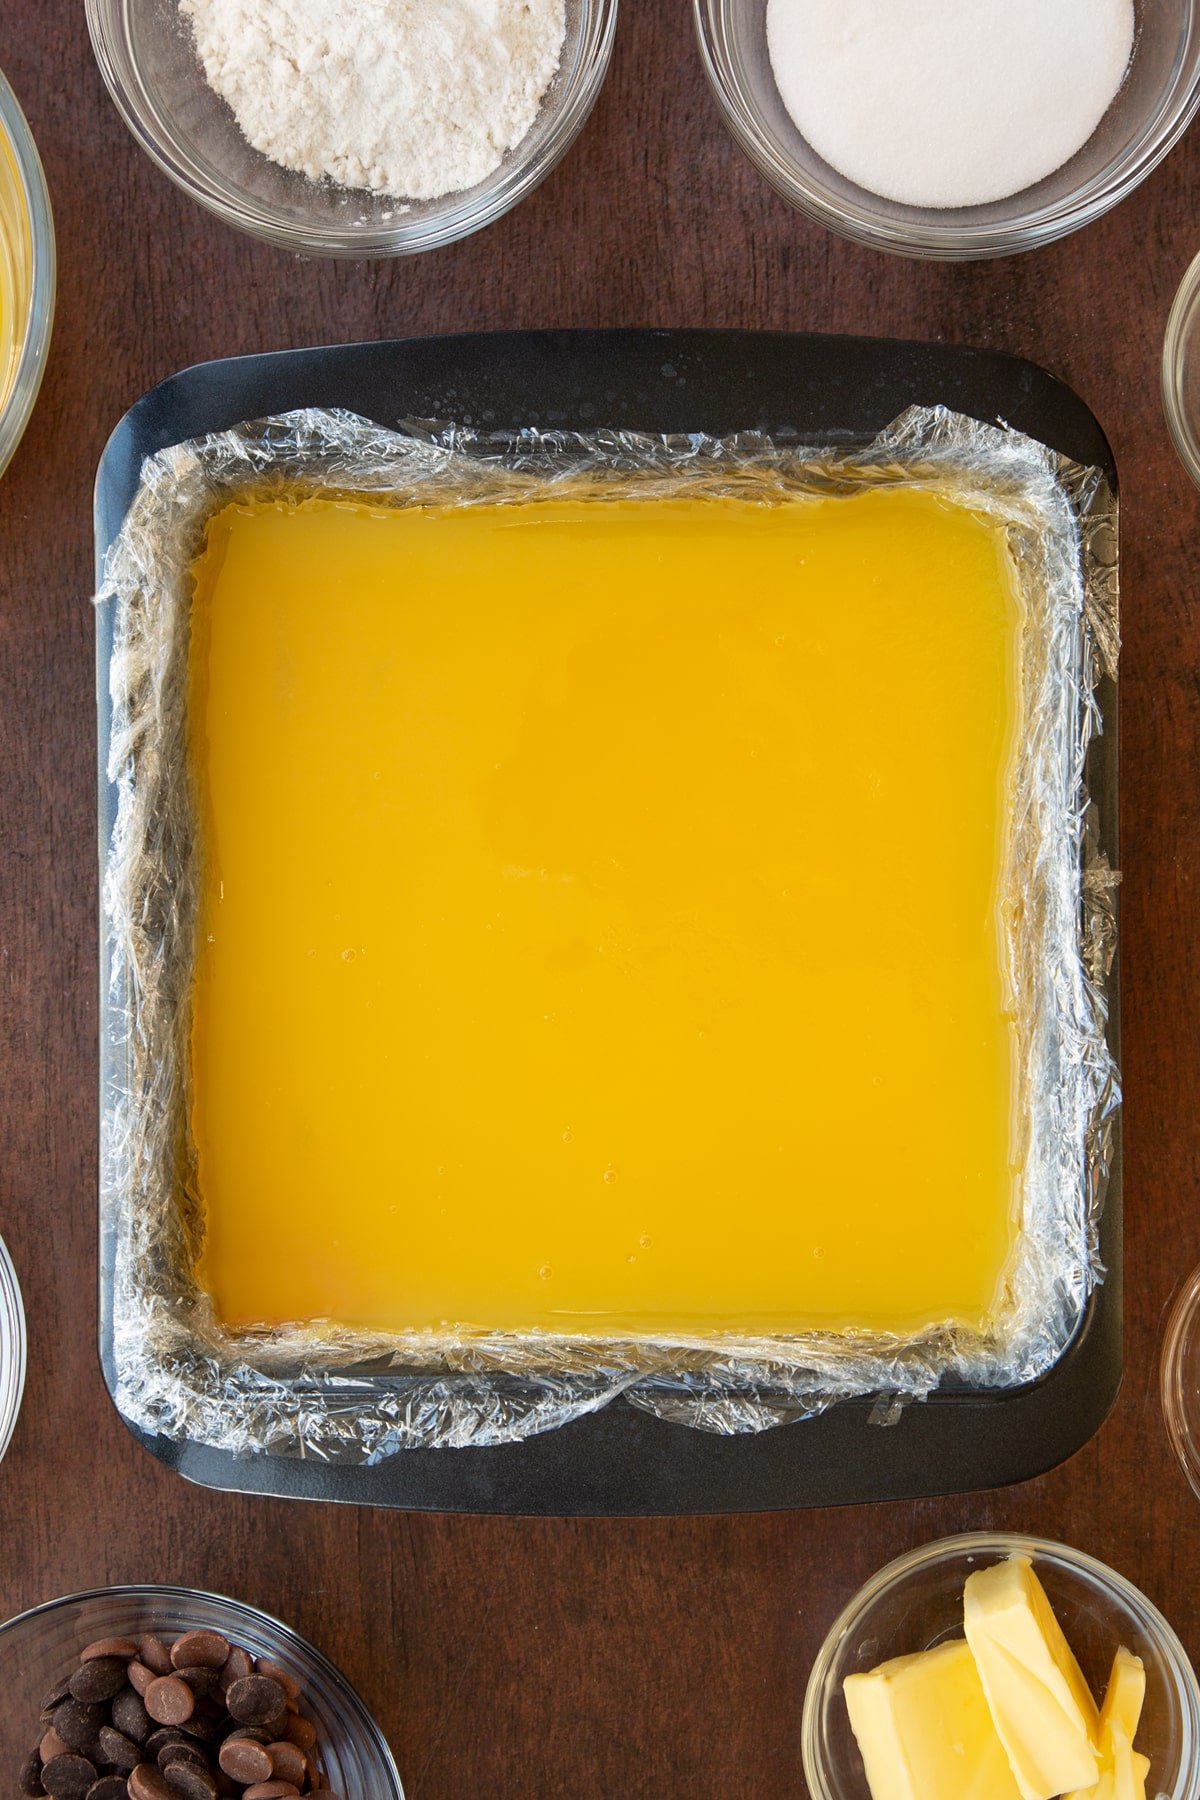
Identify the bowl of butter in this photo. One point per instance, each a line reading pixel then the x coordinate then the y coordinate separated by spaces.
pixel 27 273
pixel 1001 1668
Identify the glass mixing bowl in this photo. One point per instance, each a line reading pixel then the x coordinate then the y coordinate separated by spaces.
pixel 12 1348
pixel 1149 115
pixel 146 55
pixel 37 1648
pixel 1179 1375
pixel 1181 372
pixel 26 273
pixel 916 1603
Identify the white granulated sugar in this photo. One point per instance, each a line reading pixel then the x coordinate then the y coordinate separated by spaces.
pixel 948 102
pixel 414 98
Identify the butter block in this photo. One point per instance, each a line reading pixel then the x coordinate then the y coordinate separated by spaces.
pixel 1040 1703
pixel 924 1729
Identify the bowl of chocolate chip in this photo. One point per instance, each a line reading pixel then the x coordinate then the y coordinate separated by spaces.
pixel 147 1693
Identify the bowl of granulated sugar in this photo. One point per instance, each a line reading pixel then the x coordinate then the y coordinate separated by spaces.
pixel 357 127
pixel 953 128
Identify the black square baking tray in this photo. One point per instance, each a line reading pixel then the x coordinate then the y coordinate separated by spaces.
pixel 816 390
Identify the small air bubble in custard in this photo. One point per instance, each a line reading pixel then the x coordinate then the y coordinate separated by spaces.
pixel 646 1241
pixel 610 1174
pixel 544 1272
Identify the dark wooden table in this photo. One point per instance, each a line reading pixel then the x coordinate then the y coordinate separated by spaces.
pixel 505 1657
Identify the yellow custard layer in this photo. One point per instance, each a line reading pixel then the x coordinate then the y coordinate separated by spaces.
pixel 600 917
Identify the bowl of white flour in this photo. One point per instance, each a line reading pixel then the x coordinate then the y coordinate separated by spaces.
pixel 953 128
pixel 355 127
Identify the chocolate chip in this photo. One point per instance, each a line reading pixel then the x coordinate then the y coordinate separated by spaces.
pixel 78 1725
pixel 160 1740
pixel 109 1787
pixel 169 1700
pixel 147 1783
pixel 140 1675
pixel 183 1751
pixel 300 1730
pixel 202 1678
pixel 205 1724
pixel 245 1760
pixel 200 1649
pixel 68 1777
pixel 287 1762
pixel 255 1700
pixel 57 1694
pixel 154 1653
pixel 99 1679
pixel 238 1664
pixel 30 1781
pixel 287 1681
pixel 130 1716
pixel 51 1746
pixel 119 1750
pixel 270 1790
pixel 125 1648
pixel 192 1781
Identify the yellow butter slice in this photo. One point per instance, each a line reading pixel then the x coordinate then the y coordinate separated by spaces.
pixel 1040 1703
pixel 1123 1770
pixel 923 1727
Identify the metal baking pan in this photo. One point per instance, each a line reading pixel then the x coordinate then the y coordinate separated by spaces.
pixel 817 389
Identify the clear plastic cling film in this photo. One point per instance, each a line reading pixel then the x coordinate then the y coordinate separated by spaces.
pixel 314 1391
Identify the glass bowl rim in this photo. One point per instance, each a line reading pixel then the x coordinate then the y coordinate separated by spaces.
pixel 12 1313
pixel 31 362
pixel 1002 1543
pixel 1182 1318
pixel 457 218
pixel 1187 445
pixel 172 1592
pixel 963 241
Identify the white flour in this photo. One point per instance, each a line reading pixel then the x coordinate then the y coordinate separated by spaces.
pixel 948 102
pixel 414 98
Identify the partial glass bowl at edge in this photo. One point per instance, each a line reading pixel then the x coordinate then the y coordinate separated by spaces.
pixel 12 1349
pixel 27 227
pixel 916 1603
pixel 1180 1371
pixel 37 1648
pixel 1149 115
pixel 1181 372
pixel 149 62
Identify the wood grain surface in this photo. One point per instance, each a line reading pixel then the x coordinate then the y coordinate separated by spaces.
pixel 505 1657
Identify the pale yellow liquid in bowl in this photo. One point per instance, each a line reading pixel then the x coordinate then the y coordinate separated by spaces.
pixel 600 919
pixel 16 264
